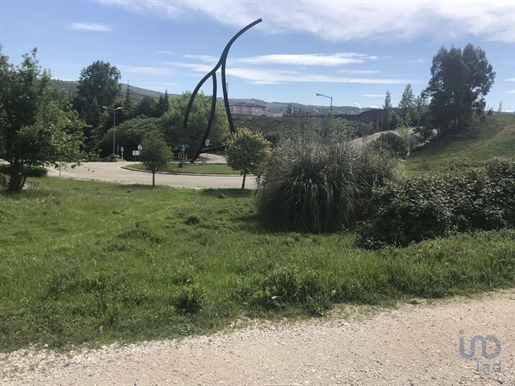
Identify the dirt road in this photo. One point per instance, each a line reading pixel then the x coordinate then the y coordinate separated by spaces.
pixel 417 344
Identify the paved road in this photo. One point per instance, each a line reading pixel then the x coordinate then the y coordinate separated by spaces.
pixel 115 172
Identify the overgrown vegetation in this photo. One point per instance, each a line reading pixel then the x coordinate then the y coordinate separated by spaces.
pixel 90 262
pixel 439 205
pixel 319 186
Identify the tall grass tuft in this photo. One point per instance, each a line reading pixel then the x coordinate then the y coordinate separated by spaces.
pixel 310 185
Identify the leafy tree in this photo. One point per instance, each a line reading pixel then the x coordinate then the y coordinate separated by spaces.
pixel 459 82
pixel 499 109
pixel 130 134
pixel 387 111
pixel 407 104
pixel 173 121
pixel 148 107
pixel 420 107
pixel 246 151
pixel 128 104
pixel 164 104
pixel 99 80
pixel 34 129
pixel 155 154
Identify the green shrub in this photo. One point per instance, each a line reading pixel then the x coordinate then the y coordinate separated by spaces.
pixel 438 205
pixel 32 171
pixel 319 186
pixel 393 143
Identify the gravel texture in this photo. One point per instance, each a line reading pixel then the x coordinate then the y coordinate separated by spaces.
pixel 414 344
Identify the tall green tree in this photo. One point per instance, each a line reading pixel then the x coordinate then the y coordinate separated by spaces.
pixel 407 104
pixel 99 80
pixel 34 128
pixel 155 154
pixel 459 82
pixel 420 107
pixel 173 121
pixel 387 111
pixel 163 104
pixel 247 151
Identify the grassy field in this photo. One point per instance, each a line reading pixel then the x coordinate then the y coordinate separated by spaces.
pixel 495 137
pixel 94 262
pixel 194 168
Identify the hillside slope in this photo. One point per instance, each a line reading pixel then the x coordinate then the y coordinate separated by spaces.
pixel 493 138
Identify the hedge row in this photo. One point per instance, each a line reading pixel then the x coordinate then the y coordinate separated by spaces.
pixel 439 205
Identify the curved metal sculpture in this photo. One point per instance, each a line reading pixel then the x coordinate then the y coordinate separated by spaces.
pixel 212 74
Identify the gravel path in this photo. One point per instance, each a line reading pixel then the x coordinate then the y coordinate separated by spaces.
pixel 416 344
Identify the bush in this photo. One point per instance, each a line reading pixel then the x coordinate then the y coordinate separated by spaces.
pixel 393 143
pixel 318 186
pixel 481 198
pixel 32 171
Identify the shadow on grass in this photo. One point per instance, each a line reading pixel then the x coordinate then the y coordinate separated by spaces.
pixel 231 193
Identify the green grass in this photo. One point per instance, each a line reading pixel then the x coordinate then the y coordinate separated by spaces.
pixel 94 262
pixel 193 168
pixel 495 137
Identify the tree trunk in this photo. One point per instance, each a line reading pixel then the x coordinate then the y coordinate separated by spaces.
pixel 153 178
pixel 16 179
pixel 243 184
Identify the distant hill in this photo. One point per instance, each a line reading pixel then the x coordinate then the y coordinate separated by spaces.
pixel 137 92
pixel 271 107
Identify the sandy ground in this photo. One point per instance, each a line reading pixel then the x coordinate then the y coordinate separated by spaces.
pixel 415 344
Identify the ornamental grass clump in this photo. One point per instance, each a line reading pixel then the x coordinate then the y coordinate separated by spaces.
pixel 311 185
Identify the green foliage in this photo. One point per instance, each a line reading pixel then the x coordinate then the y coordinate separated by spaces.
pixel 387 111
pixel 97 81
pixel 495 137
pixel 392 143
pixel 247 151
pixel 319 186
pixel 90 263
pixel 35 129
pixel 173 121
pixel 459 82
pixel 439 205
pixel 31 171
pixel 407 105
pixel 155 154
pixel 130 133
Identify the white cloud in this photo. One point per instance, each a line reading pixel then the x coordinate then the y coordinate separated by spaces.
pixel 511 80
pixel 359 72
pixel 374 107
pixel 356 104
pixel 276 76
pixel 146 70
pixel 373 95
pixel 331 60
pixel 417 61
pixel 346 20
pixel 85 26
pixel 511 92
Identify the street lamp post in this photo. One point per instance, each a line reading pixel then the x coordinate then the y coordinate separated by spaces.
pixel 331 98
pixel 330 112
pixel 114 125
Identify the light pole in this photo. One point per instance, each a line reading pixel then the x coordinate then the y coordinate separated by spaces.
pixel 328 130
pixel 330 97
pixel 114 125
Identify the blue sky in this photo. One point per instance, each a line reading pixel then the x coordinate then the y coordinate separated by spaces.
pixel 352 51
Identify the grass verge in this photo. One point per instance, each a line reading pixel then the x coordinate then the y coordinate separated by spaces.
pixel 493 138
pixel 90 262
pixel 193 168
